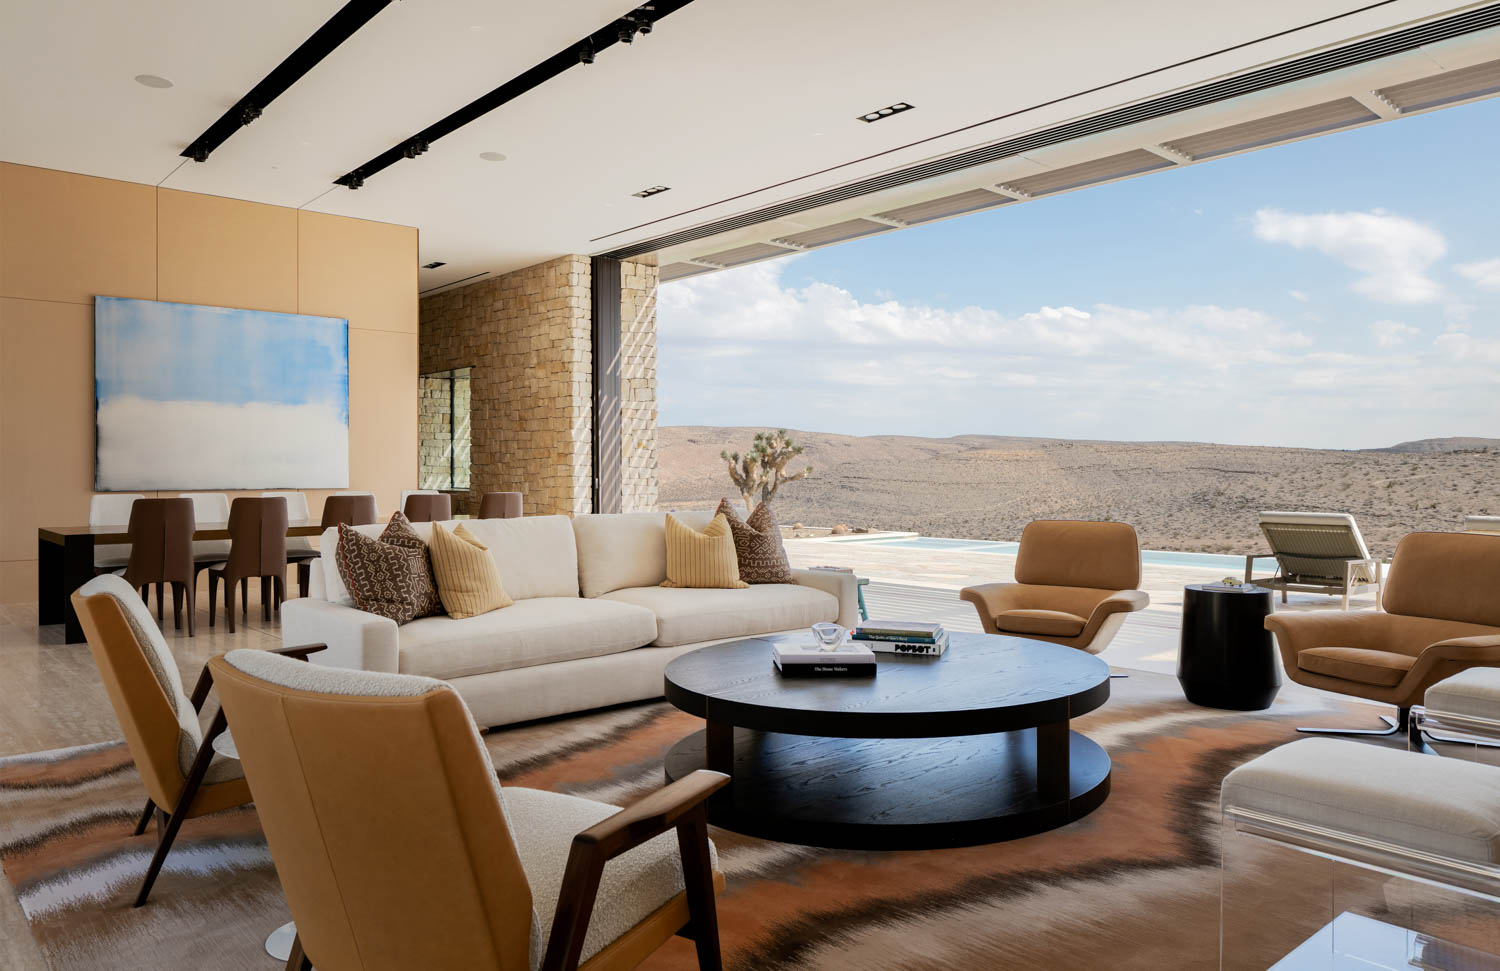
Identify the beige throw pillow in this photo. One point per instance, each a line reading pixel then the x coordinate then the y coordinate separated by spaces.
pixel 468 580
pixel 701 559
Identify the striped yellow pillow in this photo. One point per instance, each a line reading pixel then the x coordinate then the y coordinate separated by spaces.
pixel 468 580
pixel 705 559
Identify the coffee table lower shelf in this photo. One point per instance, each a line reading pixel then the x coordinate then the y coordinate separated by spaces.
pixel 894 793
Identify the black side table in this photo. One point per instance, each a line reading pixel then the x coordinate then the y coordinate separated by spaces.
pixel 1227 658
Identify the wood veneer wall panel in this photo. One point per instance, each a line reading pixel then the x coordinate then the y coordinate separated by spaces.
pixel 362 270
pixel 71 237
pixel 383 422
pixel 226 253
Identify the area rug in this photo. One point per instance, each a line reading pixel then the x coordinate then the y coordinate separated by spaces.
pixel 1136 884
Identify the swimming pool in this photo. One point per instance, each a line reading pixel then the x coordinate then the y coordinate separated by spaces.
pixel 1234 565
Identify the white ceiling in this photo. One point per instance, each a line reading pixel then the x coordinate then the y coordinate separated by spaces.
pixel 733 105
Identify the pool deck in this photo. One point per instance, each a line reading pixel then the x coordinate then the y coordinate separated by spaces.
pixel 918 584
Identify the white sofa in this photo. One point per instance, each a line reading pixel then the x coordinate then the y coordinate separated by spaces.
pixel 591 626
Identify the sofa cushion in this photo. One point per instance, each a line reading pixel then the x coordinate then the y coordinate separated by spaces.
pixel 687 616
pixel 386 579
pixel 1048 623
pixel 467 578
pixel 1446 807
pixel 701 558
pixel 757 544
pixel 536 631
pixel 1359 664
pixel 536 555
pixel 1475 693
pixel 618 550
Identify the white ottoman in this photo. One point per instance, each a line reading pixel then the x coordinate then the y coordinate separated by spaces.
pixel 1474 693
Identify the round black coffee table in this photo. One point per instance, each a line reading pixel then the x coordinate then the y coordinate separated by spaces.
pixel 970 747
pixel 1227 658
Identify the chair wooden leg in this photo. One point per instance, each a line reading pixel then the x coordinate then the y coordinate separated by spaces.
pixel 297 960
pixel 265 598
pixel 190 598
pixel 244 598
pixel 177 605
pixel 146 815
pixel 698 880
pixel 213 596
pixel 146 594
pixel 160 591
pixel 278 593
pixel 229 602
pixel 190 788
pixel 304 576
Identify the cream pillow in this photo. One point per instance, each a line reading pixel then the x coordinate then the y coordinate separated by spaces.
pixel 468 580
pixel 701 559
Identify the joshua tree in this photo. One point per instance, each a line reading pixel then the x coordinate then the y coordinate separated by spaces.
pixel 763 468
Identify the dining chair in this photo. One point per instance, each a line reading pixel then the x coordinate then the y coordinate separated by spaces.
pixel 111 509
pixel 426 507
pixel 350 509
pixel 374 506
pixel 500 505
pixel 397 848
pixel 161 552
pixel 299 549
pixel 208 508
pixel 257 548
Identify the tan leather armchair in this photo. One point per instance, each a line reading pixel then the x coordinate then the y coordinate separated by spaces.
pixel 1075 582
pixel 1442 616
pixel 397 848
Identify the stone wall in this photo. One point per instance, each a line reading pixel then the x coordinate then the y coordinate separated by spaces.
pixel 434 433
pixel 638 385
pixel 526 337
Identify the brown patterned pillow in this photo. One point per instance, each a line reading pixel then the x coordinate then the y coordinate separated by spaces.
pixel 757 545
pixel 399 532
pixel 385 579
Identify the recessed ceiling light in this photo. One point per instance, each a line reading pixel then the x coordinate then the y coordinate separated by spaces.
pixel 886 112
pixel 433 265
pixel 152 81
pixel 492 156
pixel 653 191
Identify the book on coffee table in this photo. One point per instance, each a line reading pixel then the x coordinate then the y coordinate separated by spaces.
pixel 807 660
pixel 901 637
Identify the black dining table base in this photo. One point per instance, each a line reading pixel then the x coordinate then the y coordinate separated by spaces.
pixel 62 568
pixel 897 793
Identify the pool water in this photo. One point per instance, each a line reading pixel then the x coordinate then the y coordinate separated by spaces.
pixel 1235 565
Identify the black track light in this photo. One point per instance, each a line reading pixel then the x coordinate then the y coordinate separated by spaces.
pixel 586 52
pixel 625 31
pixel 355 180
pixel 248 113
pixel 198 153
pixel 415 147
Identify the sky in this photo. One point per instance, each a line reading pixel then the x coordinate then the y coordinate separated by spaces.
pixel 1339 292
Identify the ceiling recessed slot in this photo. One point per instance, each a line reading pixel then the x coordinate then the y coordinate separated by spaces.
pixel 433 265
pixel 741 255
pixel 837 233
pixel 681 271
pixel 1276 128
pixel 886 112
pixel 971 201
pixel 1133 162
pixel 655 190
pixel 1445 88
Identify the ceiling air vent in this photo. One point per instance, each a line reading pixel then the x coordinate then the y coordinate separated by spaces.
pixel 681 271
pixel 971 201
pixel 741 255
pixel 1445 88
pixel 1276 128
pixel 837 233
pixel 1133 162
pixel 433 265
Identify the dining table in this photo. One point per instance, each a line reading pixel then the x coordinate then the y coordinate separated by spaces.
pixel 65 562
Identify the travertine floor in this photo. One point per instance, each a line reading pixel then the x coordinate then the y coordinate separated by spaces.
pixel 51 696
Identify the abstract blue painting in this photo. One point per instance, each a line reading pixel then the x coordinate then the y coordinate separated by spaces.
pixel 190 397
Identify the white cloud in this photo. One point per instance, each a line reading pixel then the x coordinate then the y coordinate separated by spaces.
pixel 1392 252
pixel 1460 347
pixel 1485 274
pixel 1298 295
pixel 1392 333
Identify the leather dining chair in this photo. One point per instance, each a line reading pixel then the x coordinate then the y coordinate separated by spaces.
pixel 208 508
pixel 257 549
pixel 111 509
pixel 426 507
pixel 161 553
pixel 350 509
pixel 397 848
pixel 500 505
pixel 299 549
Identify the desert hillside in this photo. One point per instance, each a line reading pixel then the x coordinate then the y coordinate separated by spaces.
pixel 1178 495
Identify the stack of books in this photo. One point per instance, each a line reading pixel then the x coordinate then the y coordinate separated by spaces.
pixel 901 637
pixel 806 660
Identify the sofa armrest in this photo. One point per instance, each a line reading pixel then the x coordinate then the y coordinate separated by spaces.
pixel 355 638
pixel 844 586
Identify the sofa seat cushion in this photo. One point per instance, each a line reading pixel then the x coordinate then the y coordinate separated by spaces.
pixel 687 616
pixel 541 630
pixel 1447 807
pixel 1363 665
pixel 633 885
pixel 1048 623
pixel 1474 693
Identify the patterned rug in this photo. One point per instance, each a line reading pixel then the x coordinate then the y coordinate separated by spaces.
pixel 1136 884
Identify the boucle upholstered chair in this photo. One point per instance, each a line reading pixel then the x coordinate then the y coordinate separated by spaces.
pixel 1442 616
pixel 1075 582
pixel 408 853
